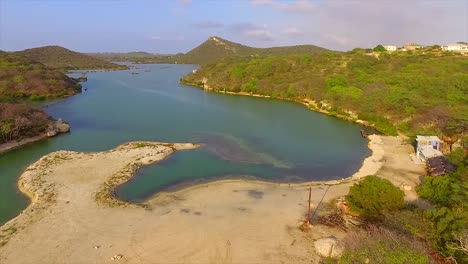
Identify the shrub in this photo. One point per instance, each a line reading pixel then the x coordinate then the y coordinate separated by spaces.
pixel 457 156
pixel 380 245
pixel 379 48
pixel 374 195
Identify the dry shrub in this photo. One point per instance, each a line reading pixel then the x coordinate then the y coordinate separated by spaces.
pixel 334 219
pixel 380 245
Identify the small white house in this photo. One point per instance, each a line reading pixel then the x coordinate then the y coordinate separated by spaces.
pixel 459 47
pixel 428 147
pixel 390 48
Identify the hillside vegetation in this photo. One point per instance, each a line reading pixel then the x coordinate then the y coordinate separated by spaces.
pixel 19 121
pixel 213 49
pixel 23 78
pixel 423 91
pixel 216 48
pixel 63 59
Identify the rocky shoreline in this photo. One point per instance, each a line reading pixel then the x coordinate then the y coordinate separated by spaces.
pixel 54 128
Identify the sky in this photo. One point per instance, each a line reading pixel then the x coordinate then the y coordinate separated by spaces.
pixel 173 26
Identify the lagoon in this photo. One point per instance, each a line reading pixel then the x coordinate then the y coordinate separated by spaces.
pixel 240 136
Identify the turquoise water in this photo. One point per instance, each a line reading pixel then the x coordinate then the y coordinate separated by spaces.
pixel 241 136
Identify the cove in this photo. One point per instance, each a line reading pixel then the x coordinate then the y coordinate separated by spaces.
pixel 241 136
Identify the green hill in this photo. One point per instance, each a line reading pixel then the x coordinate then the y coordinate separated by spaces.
pixel 414 92
pixel 213 49
pixel 21 77
pixel 61 58
pixel 216 48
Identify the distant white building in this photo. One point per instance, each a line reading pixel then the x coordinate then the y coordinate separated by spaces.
pixel 390 48
pixel 460 47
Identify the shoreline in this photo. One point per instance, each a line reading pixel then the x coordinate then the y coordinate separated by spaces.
pixel 196 221
pixel 10 146
pixel 307 102
pixel 105 194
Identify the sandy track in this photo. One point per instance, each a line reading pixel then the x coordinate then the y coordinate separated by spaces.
pixel 72 220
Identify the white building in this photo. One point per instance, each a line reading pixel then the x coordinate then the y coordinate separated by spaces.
pixel 460 47
pixel 390 48
pixel 428 147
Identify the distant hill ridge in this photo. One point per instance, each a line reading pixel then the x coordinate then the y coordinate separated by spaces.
pixel 64 59
pixel 216 48
pixel 212 50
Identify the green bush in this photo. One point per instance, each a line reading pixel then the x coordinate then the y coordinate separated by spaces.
pixel 379 48
pixel 36 97
pixel 381 246
pixel 375 195
pixel 457 156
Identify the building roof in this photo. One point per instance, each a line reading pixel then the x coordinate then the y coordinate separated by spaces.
pixel 428 138
pixel 430 152
pixel 439 166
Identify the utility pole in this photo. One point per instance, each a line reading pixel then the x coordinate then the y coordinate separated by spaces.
pixel 308 210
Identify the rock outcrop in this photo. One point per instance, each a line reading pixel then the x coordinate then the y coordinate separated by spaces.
pixel 57 127
pixel 328 247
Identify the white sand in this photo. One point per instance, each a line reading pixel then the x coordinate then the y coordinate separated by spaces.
pixel 231 221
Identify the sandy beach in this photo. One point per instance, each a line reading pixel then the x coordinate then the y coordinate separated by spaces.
pixel 73 218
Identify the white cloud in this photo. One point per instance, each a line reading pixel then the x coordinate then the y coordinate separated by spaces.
pixel 252 31
pixel 293 31
pixel 298 6
pixel 208 25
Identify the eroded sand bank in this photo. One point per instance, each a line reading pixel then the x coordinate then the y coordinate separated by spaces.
pixel 73 219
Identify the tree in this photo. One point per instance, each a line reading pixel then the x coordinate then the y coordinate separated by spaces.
pixel 374 195
pixel 379 48
pixel 5 129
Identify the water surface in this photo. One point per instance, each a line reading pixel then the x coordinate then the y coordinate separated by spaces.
pixel 241 136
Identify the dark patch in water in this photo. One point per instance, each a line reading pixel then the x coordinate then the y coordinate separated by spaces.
pixel 230 150
pixel 197 213
pixel 185 210
pixel 255 194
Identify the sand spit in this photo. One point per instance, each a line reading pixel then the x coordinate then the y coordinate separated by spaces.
pixel 72 220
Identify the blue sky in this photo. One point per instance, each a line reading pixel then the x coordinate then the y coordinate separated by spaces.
pixel 171 26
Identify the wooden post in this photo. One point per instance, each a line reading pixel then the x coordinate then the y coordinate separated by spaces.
pixel 308 210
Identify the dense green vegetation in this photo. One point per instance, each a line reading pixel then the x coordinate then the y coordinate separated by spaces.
pixel 375 195
pixel 19 121
pixel 406 234
pixel 212 50
pixel 63 59
pixel 424 91
pixel 449 218
pixel 21 78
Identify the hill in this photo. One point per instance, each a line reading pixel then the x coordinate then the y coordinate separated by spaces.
pixel 61 58
pixel 213 49
pixel 23 78
pixel 216 48
pixel 424 91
